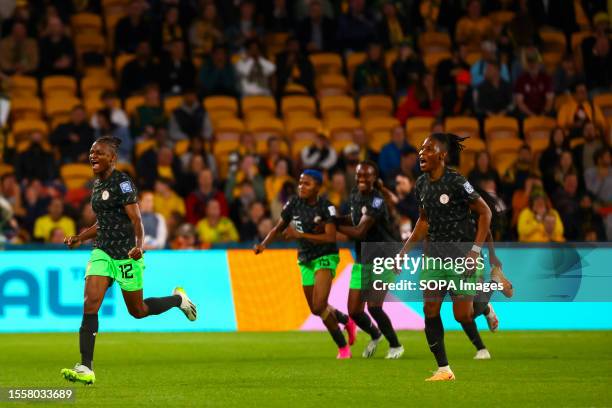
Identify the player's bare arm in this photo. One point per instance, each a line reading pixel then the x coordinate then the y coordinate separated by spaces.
pixel 328 235
pixel 280 226
pixel 133 212
pixel 359 231
pixel 75 241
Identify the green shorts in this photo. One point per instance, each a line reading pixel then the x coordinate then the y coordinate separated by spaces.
pixel 454 278
pixel 128 273
pixel 363 276
pixel 309 269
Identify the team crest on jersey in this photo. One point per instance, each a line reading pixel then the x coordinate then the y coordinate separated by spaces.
pixel 444 198
pixel 317 219
pixel 468 187
pixel 105 195
pixel 364 210
pixel 377 202
pixel 126 187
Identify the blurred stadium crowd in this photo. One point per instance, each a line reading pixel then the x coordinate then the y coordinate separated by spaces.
pixel 220 104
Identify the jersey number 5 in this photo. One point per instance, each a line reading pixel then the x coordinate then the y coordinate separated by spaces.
pixel 125 271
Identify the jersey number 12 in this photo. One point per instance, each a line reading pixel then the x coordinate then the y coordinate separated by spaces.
pixel 125 271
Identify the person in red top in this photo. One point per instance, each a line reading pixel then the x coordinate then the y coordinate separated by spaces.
pixel 195 203
pixel 423 99
pixel 534 89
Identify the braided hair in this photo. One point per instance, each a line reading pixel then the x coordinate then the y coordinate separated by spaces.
pixel 452 143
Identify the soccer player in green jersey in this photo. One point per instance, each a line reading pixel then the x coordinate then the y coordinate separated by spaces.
pixel 118 252
pixel 310 220
pixel 369 221
pixel 446 203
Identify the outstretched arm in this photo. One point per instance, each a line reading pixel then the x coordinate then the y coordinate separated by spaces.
pixel 280 226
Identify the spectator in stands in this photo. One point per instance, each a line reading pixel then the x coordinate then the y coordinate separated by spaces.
pixel 57 55
pixel 158 161
pixel 197 147
pixel 338 193
pixel 589 221
pixel 239 209
pixel 215 228
pixel 560 14
pixel 18 52
pixel 248 229
pixel 494 96
pixel 195 203
pixel 319 155
pixel 185 238
pixel 111 103
pixel 246 29
pixel 597 56
pixel 489 56
pixel 36 162
pixel 483 170
pixel 316 32
pixel 565 75
pixel 583 152
pixel 278 17
pixel 389 160
pixel 177 73
pixel 217 75
pixel 562 168
pixel 598 179
pixel 55 219
pixel 155 229
pixel 533 88
pixel 520 198
pixel 171 30
pixel 370 76
pixel 263 228
pixel 165 201
pixel 361 140
pixel 422 99
pixel 458 99
pixel 407 68
pixel 501 219
pixel 448 69
pixel 139 72
pixel 356 28
pixel 247 170
pixel 133 29
pixel 579 110
pixel 247 147
pixel 473 28
pixel 206 30
pixel 407 204
pixel 523 28
pixel 255 72
pixel 189 120
pixel 105 126
pixel 272 155
pixel 393 29
pixel 557 144
pixel 293 69
pixel 521 169
pixel 274 182
pixel 150 113
pixel 74 138
pixel 539 222
pixel 10 189
pixel 566 203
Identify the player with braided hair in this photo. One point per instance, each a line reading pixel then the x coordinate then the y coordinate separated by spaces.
pixel 118 237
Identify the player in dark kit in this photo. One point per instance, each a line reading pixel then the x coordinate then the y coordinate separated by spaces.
pixel 447 201
pixel 369 221
pixel 117 256
pixel 311 220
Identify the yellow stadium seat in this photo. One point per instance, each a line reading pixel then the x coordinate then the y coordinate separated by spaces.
pixel 86 22
pixel 576 142
pixel 502 17
pixel 326 63
pixel 228 129
pixel 26 107
pixel 537 145
pixel 551 61
pixel 24 127
pixel 340 130
pixel 171 103
pixel 93 104
pixel 259 106
pixel 538 127
pixel 181 147
pixel 504 153
pixel 463 126
pixel 297 105
pixel 552 41
pixel 143 146
pixel 433 41
pixel 419 124
pixel 473 57
pixel 471 148
pixel 90 42
pixel 221 106
pixel 337 106
pixel 120 62
pixel 60 106
pixel 95 84
pixel 561 99
pixel 371 106
pixel 501 127
pixel 110 22
pixel 604 101
pixel 432 59
pixel 332 84
pixel 56 85
pixel 303 128
pixel 223 147
pixel 76 175
pixel 352 61
pixel 126 168
pixel 263 127
pixel 379 130
pixel 132 103
pixel 21 85
pixel 6 169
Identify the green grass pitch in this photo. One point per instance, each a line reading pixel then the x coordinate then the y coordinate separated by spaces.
pixel 548 368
